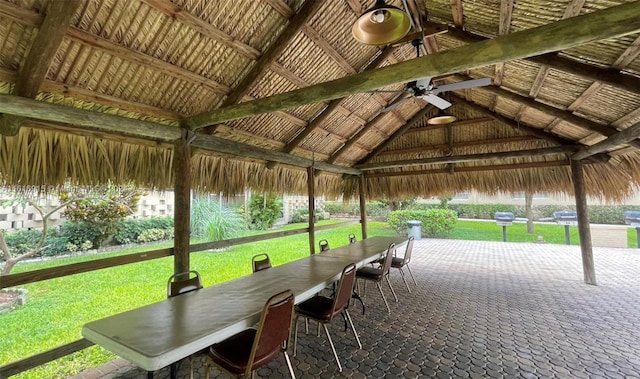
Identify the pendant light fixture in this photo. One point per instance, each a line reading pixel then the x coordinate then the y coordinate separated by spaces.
pixel 381 25
pixel 442 118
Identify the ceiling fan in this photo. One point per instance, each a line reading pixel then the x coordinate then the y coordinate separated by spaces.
pixel 427 91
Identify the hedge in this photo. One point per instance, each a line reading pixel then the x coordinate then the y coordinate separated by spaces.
pixel 435 222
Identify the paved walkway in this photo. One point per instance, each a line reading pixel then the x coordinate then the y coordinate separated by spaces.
pixel 480 310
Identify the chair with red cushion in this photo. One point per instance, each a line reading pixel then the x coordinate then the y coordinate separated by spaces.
pixel 323 309
pixel 245 352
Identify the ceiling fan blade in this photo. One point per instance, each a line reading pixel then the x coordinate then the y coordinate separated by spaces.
pixel 462 85
pixel 436 101
pixel 395 104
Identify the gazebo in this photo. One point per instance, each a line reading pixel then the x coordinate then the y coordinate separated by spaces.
pixel 279 96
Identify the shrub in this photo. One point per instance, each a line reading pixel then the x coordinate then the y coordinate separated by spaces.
pixel 79 232
pixel 128 230
pixel 215 221
pixel 264 211
pixel 151 235
pixel 301 215
pixel 435 222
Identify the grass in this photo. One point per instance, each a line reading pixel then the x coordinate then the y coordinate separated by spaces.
pixel 57 308
pixel 489 231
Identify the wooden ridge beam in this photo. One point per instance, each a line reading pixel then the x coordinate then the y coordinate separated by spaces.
pixel 471 157
pixel 397 134
pixel 493 141
pixel 517 166
pixel 608 23
pixel 96 121
pixel 42 51
pixel 171 10
pixel 620 138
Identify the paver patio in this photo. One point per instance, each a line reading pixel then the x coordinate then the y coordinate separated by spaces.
pixel 481 309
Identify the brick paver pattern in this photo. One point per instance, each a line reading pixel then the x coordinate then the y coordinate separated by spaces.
pixel 480 310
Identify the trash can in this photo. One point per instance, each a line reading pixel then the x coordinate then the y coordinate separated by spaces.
pixel 415 229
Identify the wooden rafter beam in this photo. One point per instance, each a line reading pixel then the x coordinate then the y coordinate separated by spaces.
pixel 43 49
pixel 96 121
pixel 34 19
pixel 620 138
pixel 457 13
pixel 608 76
pixel 608 23
pixel 517 166
pixel 471 157
pixel 561 114
pixel 308 10
pixel 357 135
pixel 504 27
pixel 171 10
pixel 493 141
pixel 397 134
pixel 524 128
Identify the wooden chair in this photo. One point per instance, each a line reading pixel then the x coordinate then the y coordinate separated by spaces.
pixel 178 285
pixel 324 309
pixel 352 238
pixel 377 275
pixel 245 352
pixel 324 245
pixel 260 262
pixel 400 263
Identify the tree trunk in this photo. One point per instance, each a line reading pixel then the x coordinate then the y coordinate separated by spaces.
pixel 528 208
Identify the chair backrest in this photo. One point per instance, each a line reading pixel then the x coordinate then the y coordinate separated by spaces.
pixel 324 245
pixel 344 290
pixel 176 285
pixel 273 331
pixel 408 251
pixel 352 238
pixel 260 262
pixel 386 264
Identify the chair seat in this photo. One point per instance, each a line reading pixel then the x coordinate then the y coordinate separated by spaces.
pixel 318 308
pixel 233 353
pixel 397 262
pixel 369 273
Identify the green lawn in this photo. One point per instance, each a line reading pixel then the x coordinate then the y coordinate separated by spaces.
pixel 489 231
pixel 57 308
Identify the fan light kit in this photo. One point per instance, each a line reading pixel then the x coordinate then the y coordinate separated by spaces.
pixel 441 118
pixel 381 25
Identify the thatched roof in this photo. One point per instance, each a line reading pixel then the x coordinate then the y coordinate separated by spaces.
pixel 176 63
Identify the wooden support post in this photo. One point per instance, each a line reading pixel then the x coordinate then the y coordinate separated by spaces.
pixel 363 207
pixel 583 223
pixel 182 199
pixel 311 185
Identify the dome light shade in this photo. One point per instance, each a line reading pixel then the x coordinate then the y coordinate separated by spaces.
pixel 442 118
pixel 381 25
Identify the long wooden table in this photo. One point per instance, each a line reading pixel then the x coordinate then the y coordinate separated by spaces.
pixel 156 335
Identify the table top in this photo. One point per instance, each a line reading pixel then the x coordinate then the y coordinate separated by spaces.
pixel 159 334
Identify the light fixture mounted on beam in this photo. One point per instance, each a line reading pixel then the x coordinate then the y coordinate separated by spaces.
pixel 442 118
pixel 381 25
